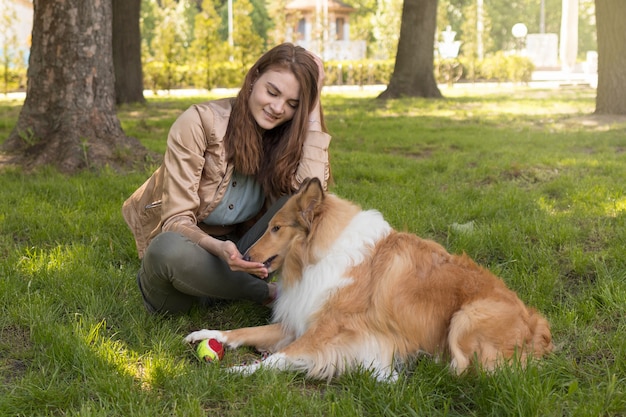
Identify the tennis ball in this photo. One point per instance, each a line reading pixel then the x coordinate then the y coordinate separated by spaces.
pixel 210 350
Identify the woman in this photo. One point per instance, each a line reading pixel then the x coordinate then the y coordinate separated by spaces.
pixel 229 166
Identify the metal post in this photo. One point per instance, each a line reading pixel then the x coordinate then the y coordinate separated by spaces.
pixel 230 23
pixel 542 17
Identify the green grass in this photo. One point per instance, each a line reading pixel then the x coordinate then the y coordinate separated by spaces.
pixel 518 178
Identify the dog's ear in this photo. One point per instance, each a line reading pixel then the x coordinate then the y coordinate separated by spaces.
pixel 305 183
pixel 310 197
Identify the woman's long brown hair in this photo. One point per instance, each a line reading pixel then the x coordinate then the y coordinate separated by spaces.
pixel 273 156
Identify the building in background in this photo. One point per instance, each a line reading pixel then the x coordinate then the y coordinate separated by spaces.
pixel 323 26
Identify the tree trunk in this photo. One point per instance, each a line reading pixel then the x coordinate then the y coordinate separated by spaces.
pixel 68 118
pixel 413 73
pixel 127 52
pixel 611 92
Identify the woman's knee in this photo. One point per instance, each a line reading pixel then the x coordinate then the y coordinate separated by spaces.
pixel 168 247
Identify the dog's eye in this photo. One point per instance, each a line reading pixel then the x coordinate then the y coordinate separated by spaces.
pixel 275 229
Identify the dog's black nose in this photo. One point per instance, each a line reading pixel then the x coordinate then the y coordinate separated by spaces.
pixel 246 257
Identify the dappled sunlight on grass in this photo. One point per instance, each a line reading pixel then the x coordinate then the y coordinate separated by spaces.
pixel 615 207
pixel 37 261
pixel 578 162
pixel 495 111
pixel 145 369
pixel 597 204
pixel 111 351
pixel 499 106
pixel 548 206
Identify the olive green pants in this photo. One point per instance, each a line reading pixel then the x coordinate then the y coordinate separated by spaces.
pixel 176 273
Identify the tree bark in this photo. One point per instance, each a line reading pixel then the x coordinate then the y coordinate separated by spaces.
pixel 413 73
pixel 611 91
pixel 127 52
pixel 68 118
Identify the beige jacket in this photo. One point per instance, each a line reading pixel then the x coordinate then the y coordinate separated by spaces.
pixel 194 175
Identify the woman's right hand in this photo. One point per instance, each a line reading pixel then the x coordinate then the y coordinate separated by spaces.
pixel 231 255
pixel 315 115
pixel 320 71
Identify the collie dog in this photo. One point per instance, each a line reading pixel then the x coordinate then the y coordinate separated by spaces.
pixel 355 293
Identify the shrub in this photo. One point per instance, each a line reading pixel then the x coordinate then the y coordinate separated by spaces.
pixel 227 74
pixel 499 67
pixel 358 72
pixel 12 79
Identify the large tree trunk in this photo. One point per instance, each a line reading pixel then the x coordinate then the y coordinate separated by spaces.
pixel 413 73
pixel 611 92
pixel 68 118
pixel 127 51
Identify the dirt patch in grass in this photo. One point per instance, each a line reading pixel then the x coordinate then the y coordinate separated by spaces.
pixel 7 161
pixel 14 343
pixel 530 175
pixel 422 153
pixel 599 122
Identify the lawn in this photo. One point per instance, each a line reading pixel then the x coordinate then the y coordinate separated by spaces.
pixel 523 180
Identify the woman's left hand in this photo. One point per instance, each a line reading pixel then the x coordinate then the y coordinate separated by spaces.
pixel 235 261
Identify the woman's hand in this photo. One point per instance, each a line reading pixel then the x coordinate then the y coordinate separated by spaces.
pixel 230 254
pixel 320 71
pixel 315 113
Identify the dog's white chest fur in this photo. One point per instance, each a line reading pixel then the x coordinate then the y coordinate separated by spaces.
pixel 299 302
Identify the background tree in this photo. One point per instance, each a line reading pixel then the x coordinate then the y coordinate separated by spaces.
pixel 127 52
pixel 471 45
pixel 207 48
pixel 168 44
pixel 188 10
pixel 385 29
pixel 259 23
pixel 378 23
pixel 413 73
pixel 451 13
pixel 8 40
pixel 262 22
pixel 504 14
pixel 611 91
pixel 587 32
pixel 248 43
pixel 278 31
pixel 68 118
pixel 149 20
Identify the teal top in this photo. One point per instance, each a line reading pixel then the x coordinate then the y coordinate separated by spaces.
pixel 243 200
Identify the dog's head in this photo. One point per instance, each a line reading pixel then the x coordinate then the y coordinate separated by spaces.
pixel 283 243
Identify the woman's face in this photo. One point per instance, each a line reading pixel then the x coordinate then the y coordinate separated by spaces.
pixel 274 99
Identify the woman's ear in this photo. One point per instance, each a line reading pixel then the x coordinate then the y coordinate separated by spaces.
pixel 254 78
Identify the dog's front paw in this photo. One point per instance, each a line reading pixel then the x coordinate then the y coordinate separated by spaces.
pixel 206 334
pixel 246 369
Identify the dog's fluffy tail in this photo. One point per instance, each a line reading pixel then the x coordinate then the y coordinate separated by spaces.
pixel 489 332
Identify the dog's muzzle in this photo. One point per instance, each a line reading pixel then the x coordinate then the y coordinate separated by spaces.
pixel 269 260
pixel 267 263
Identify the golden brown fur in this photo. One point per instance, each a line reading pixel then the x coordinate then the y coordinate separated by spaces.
pixel 396 296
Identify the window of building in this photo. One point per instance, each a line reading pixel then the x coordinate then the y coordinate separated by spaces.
pixel 339 25
pixel 300 30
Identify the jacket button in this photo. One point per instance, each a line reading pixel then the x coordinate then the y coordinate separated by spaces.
pixel 234 183
pixel 231 206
